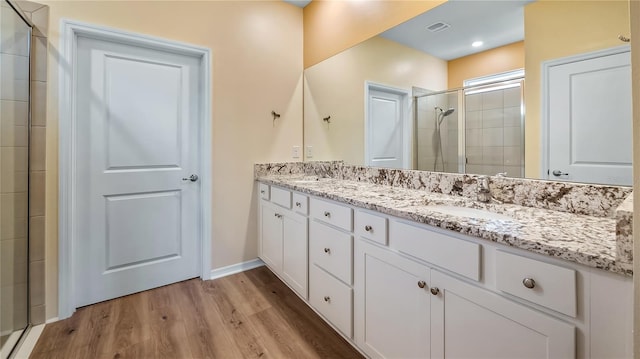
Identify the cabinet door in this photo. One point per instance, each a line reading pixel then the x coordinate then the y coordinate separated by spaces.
pixel 470 322
pixel 391 304
pixel 271 239
pixel 294 263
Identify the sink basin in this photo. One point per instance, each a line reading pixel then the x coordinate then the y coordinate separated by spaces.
pixel 468 212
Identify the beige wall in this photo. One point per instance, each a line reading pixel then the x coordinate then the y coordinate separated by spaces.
pixel 257 67
pixel 335 87
pixel 554 29
pixel 333 26
pixel 494 61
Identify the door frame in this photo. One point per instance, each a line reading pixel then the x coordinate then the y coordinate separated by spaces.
pixel 70 30
pixel 544 96
pixel 407 127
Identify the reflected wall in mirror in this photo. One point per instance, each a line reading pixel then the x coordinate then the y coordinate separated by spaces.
pixel 548 30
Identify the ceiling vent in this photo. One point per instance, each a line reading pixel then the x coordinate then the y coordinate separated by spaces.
pixel 438 26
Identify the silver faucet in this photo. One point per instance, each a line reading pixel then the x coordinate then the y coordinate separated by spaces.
pixel 484 191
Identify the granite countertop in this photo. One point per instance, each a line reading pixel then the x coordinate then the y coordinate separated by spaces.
pixel 584 239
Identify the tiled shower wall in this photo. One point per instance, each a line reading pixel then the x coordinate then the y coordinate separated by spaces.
pixel 14 140
pixel 493 132
pixel 427 133
pixel 36 87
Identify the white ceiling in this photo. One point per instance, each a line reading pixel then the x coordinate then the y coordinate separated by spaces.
pixel 298 3
pixel 496 23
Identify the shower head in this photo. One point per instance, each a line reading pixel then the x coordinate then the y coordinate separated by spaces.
pixel 447 112
pixel 444 113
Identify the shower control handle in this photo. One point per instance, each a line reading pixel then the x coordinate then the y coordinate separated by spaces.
pixel 559 173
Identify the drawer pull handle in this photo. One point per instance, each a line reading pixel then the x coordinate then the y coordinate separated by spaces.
pixel 262 191
pixel 298 204
pixel 529 283
pixel 327 299
pixel 422 284
pixel 368 228
pixel 327 214
pixel 327 250
pixel 435 290
pixel 278 215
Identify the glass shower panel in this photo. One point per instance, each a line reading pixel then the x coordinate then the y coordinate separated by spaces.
pixel 15 37
pixel 437 132
pixel 494 141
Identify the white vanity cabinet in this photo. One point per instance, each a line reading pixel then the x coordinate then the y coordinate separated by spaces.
pixel 284 239
pixel 395 288
pixel 405 309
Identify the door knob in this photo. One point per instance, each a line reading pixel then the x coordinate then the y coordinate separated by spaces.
pixel 193 178
pixel 559 173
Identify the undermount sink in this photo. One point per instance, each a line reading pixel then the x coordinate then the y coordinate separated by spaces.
pixel 468 212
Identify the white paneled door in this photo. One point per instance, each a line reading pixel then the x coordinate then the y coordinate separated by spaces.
pixel 589 119
pixel 138 194
pixel 387 128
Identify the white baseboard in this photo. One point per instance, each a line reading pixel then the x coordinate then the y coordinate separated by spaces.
pixel 52 320
pixel 26 347
pixel 236 268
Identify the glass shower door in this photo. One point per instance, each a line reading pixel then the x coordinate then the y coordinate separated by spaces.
pixel 15 37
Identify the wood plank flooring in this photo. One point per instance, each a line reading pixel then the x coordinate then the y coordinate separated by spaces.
pixel 246 315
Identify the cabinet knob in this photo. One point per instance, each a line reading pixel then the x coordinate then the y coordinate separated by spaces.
pixel 422 284
pixel 327 250
pixel 262 191
pixel 435 290
pixel 298 204
pixel 278 215
pixel 368 228
pixel 327 299
pixel 529 283
pixel 327 214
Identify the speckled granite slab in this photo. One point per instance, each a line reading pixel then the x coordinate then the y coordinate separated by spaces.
pixel 587 240
pixel 588 224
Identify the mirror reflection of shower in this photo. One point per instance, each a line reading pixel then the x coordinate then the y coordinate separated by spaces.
pixel 439 117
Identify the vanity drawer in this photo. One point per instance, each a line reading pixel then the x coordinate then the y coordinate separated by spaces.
pixel 332 213
pixel 542 283
pixel 301 203
pixel 281 197
pixel 332 298
pixel 331 250
pixel 371 227
pixel 264 191
pixel 456 255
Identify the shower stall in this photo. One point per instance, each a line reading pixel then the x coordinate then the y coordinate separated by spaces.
pixel 476 129
pixel 15 45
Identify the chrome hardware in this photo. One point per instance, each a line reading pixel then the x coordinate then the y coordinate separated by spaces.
pixel 559 173
pixel 194 178
pixel 529 283
pixel 484 191
pixel 435 290
pixel 368 228
pixel 327 299
pixel 298 204
pixel 260 191
pixel 327 214
pixel 327 250
pixel 422 284
pixel 278 215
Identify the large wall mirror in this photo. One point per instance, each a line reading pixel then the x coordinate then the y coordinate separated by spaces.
pixel 537 89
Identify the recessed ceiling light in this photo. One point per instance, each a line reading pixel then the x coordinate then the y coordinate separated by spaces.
pixel 477 43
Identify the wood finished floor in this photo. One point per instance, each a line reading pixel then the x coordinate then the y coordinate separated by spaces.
pixel 246 315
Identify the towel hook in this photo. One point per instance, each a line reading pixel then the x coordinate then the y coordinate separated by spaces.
pixel 275 116
pixel 327 119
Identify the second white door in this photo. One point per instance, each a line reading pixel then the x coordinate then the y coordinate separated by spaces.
pixel 138 195
pixel 387 137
